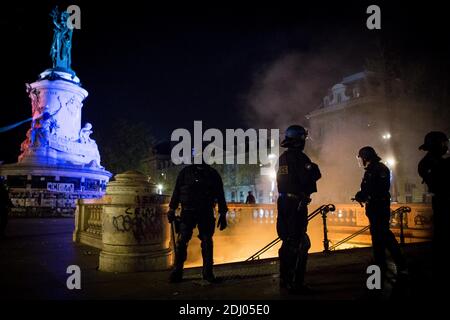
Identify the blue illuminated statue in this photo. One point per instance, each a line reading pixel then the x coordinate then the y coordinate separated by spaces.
pixel 59 159
pixel 62 40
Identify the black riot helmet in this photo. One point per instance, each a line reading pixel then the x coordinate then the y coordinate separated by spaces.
pixel 435 141
pixel 295 137
pixel 368 154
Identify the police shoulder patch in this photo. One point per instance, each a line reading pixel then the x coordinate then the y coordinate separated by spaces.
pixel 283 170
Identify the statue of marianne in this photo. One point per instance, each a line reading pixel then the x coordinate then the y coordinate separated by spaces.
pixel 62 40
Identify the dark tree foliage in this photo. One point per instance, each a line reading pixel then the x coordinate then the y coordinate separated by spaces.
pixel 124 145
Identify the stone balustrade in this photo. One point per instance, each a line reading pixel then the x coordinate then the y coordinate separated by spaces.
pixel 88 221
pixel 250 225
pixel 128 224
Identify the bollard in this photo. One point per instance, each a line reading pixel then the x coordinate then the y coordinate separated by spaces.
pixel 136 235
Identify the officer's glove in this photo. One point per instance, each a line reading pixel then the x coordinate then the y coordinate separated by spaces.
pixel 359 196
pixel 222 223
pixel 171 215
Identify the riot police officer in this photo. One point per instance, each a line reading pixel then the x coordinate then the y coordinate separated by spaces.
pixel 296 180
pixel 375 194
pixel 435 172
pixel 198 188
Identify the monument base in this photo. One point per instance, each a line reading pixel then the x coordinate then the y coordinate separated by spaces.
pixel 51 190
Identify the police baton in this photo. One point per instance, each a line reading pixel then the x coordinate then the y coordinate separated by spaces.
pixel 172 231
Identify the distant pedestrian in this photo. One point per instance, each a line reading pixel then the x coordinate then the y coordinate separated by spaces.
pixel 250 198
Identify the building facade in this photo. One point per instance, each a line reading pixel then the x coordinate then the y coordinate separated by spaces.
pixel 365 109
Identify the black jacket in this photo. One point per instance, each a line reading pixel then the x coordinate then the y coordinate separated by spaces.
pixel 435 172
pixel 296 173
pixel 375 184
pixel 198 187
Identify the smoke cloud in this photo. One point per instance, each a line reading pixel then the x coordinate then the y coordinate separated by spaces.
pixel 284 91
pixel 293 85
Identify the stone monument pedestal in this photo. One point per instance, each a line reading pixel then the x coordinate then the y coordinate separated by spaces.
pixel 59 162
pixel 136 233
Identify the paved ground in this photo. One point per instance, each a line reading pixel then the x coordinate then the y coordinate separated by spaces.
pixel 36 253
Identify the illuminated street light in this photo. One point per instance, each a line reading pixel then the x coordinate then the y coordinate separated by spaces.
pixel 386 136
pixel 160 188
pixel 390 162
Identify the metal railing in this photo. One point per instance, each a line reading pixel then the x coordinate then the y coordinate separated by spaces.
pixel 399 211
pixel 323 210
pixel 350 237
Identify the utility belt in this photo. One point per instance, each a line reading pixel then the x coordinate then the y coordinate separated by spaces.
pixel 292 195
pixel 194 209
pixel 378 199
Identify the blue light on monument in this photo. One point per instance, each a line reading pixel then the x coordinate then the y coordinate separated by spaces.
pixel 59 161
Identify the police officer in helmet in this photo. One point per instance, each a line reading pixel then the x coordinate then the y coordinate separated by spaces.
pixel 375 194
pixel 434 169
pixel 296 180
pixel 198 188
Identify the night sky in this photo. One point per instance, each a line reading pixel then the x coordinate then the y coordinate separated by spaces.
pixel 168 65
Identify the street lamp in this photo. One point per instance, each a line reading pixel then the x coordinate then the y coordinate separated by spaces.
pixel 160 188
pixel 386 136
pixel 390 162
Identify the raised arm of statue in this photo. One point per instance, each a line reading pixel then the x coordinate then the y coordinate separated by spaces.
pixel 62 40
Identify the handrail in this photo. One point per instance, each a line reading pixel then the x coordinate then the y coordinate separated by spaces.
pixel 402 210
pixel 323 209
pixel 350 237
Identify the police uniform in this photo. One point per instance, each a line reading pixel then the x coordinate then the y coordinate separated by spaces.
pixel 375 193
pixel 198 188
pixel 435 172
pixel 296 180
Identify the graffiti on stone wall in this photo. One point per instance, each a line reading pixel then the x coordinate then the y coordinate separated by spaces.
pixel 422 220
pixel 143 222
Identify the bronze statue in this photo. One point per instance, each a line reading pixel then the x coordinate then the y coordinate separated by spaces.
pixel 62 40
